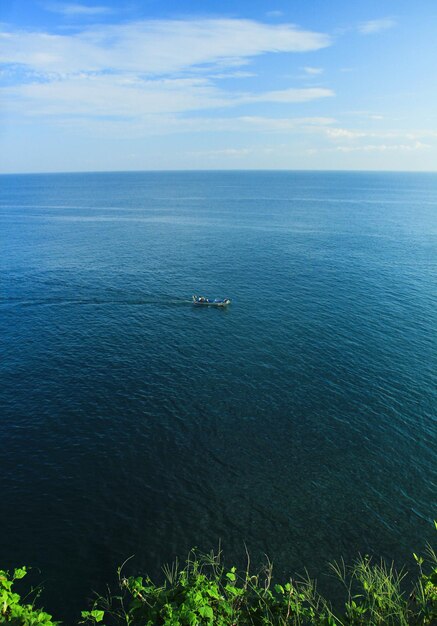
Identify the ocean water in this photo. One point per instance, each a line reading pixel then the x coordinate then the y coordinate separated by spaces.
pixel 300 421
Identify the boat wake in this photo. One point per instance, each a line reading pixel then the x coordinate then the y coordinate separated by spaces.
pixel 24 302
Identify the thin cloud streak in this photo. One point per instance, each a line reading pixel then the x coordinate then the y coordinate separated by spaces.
pixel 289 95
pixel 384 147
pixel 313 71
pixel 70 10
pixel 131 97
pixel 376 26
pixel 341 134
pixel 168 124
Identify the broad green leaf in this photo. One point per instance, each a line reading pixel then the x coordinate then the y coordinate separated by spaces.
pixel 206 611
pixel 98 615
pixel 20 572
pixel 213 592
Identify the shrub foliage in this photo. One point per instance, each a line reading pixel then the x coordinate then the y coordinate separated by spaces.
pixel 203 592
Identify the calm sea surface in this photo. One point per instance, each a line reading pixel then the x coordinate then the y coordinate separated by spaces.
pixel 301 420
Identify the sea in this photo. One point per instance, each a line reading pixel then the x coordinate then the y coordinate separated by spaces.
pixel 297 423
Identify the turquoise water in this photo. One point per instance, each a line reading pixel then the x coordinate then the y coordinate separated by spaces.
pixel 300 420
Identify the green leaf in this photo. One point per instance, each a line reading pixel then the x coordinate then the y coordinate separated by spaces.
pixel 418 559
pixel 231 575
pixel 226 608
pixel 98 615
pixel 198 597
pixel 20 572
pixel 206 611
pixel 213 592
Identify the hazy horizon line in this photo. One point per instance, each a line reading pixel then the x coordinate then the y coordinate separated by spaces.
pixel 210 170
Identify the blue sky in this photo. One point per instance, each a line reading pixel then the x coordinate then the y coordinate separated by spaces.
pixel 160 84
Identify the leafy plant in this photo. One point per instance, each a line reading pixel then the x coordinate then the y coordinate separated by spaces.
pixel 424 595
pixel 204 592
pixel 13 610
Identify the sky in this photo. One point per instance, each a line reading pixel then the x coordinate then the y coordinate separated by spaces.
pixel 107 85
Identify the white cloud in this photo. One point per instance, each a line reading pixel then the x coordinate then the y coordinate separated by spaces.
pixel 132 97
pixel 146 68
pixel 76 9
pixel 282 124
pixel 237 74
pixel 227 152
pixel 150 78
pixel 376 26
pixel 380 148
pixel 344 133
pixel 352 135
pixel 289 95
pixel 380 141
pixel 365 115
pixel 251 123
pixel 126 96
pixel 417 145
pixel 313 71
pixel 156 46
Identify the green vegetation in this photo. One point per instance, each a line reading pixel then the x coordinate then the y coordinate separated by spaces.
pixel 14 610
pixel 204 592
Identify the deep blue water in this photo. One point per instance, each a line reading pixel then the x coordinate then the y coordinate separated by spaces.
pixel 301 420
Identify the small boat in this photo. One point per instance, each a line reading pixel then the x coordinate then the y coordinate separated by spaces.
pixel 202 301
